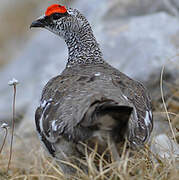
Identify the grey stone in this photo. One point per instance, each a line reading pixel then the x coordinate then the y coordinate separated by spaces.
pixel 165 147
pixel 130 8
pixel 141 45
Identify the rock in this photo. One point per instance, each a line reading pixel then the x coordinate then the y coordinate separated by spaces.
pixel 165 147
pixel 141 41
pixel 130 8
pixel 161 141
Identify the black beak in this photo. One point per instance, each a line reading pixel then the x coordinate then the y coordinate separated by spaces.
pixel 41 22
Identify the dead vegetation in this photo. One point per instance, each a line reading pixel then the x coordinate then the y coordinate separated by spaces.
pixel 29 162
pixel 34 165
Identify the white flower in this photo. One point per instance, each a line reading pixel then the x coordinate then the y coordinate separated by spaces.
pixel 13 82
pixel 4 125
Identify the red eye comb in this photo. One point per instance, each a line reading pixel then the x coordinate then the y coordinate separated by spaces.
pixel 55 8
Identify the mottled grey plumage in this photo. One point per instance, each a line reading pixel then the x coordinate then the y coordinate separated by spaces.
pixel 90 98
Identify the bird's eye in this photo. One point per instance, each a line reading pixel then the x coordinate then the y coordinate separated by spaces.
pixel 56 16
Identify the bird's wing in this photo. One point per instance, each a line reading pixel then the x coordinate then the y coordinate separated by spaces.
pixel 62 108
pixel 69 103
pixel 46 114
pixel 141 123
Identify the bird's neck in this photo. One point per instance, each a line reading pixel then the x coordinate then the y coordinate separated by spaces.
pixel 83 48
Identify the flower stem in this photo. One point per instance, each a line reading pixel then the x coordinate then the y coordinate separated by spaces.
pixel 6 132
pixel 13 125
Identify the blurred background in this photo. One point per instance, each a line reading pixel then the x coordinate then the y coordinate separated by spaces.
pixel 138 37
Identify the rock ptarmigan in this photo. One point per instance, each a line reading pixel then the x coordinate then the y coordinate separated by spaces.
pixel 90 98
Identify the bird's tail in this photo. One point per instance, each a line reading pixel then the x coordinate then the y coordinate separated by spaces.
pixel 109 116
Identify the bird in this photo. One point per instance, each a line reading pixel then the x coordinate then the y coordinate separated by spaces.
pixel 90 99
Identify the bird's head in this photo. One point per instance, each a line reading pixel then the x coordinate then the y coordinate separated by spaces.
pixel 61 20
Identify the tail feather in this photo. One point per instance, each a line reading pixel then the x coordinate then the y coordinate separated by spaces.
pixel 109 116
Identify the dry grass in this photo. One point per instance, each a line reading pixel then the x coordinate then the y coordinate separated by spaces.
pixel 31 163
